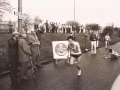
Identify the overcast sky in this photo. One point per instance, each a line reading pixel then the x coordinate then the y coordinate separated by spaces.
pixel 86 11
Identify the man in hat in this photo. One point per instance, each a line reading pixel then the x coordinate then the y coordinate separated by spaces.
pixel 13 57
pixel 24 55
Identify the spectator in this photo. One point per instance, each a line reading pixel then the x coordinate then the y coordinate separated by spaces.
pixel 93 42
pixel 114 54
pixel 97 39
pixel 86 40
pixel 35 48
pixel 107 40
pixel 64 28
pixel 71 28
pixel 24 56
pixel 50 27
pixel 75 53
pixel 38 33
pixel 13 57
pixel 47 26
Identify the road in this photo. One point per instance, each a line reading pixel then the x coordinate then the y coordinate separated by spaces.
pixel 98 73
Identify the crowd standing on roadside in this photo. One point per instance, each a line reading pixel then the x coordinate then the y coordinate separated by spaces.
pixel 22 48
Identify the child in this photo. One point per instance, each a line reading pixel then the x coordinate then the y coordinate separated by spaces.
pixel 114 54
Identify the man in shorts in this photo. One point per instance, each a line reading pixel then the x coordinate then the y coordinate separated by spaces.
pixel 75 53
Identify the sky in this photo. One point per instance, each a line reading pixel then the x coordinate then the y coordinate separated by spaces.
pixel 102 12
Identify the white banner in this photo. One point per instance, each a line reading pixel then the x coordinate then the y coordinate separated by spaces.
pixel 60 49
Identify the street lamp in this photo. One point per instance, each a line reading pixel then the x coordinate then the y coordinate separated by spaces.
pixel 19 20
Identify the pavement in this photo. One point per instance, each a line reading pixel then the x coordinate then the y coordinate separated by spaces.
pixel 98 73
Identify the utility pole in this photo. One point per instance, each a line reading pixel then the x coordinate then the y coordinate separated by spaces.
pixel 74 19
pixel 74 10
pixel 19 20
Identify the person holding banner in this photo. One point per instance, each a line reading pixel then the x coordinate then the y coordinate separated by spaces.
pixel 75 53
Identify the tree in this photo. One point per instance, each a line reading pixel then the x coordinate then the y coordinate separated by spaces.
pixel 26 23
pixel 72 23
pixel 37 21
pixel 108 29
pixel 4 7
pixel 92 26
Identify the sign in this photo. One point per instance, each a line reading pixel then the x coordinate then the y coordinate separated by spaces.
pixel 60 49
pixel 20 15
pixel 4 28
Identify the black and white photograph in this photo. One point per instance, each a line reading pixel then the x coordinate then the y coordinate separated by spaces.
pixel 59 44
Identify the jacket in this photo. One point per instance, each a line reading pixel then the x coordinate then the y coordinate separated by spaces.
pixel 24 50
pixel 93 37
pixel 32 39
pixel 13 49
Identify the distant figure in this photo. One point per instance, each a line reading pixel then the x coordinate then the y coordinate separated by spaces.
pixel 114 54
pixel 93 42
pixel 97 39
pixel 13 57
pixel 39 33
pixel 35 48
pixel 86 40
pixel 82 28
pixel 47 26
pixel 75 53
pixel 107 40
pixel 24 56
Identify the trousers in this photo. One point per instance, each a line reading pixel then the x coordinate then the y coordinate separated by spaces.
pixel 93 47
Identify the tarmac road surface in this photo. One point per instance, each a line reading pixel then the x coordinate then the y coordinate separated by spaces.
pixel 98 73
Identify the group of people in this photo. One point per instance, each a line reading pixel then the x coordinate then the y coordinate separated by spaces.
pixel 75 50
pixel 60 28
pixel 94 38
pixel 23 48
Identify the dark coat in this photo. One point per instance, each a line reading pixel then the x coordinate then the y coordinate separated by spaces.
pixel 38 33
pixel 93 37
pixel 24 50
pixel 13 49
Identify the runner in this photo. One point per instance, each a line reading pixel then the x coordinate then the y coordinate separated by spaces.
pixel 75 53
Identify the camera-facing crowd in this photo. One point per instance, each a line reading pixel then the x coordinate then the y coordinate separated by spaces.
pixel 59 28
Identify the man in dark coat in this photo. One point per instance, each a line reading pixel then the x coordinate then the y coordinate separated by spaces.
pixel 39 33
pixel 13 57
pixel 47 26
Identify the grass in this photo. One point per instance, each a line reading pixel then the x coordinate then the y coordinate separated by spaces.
pixel 46 46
